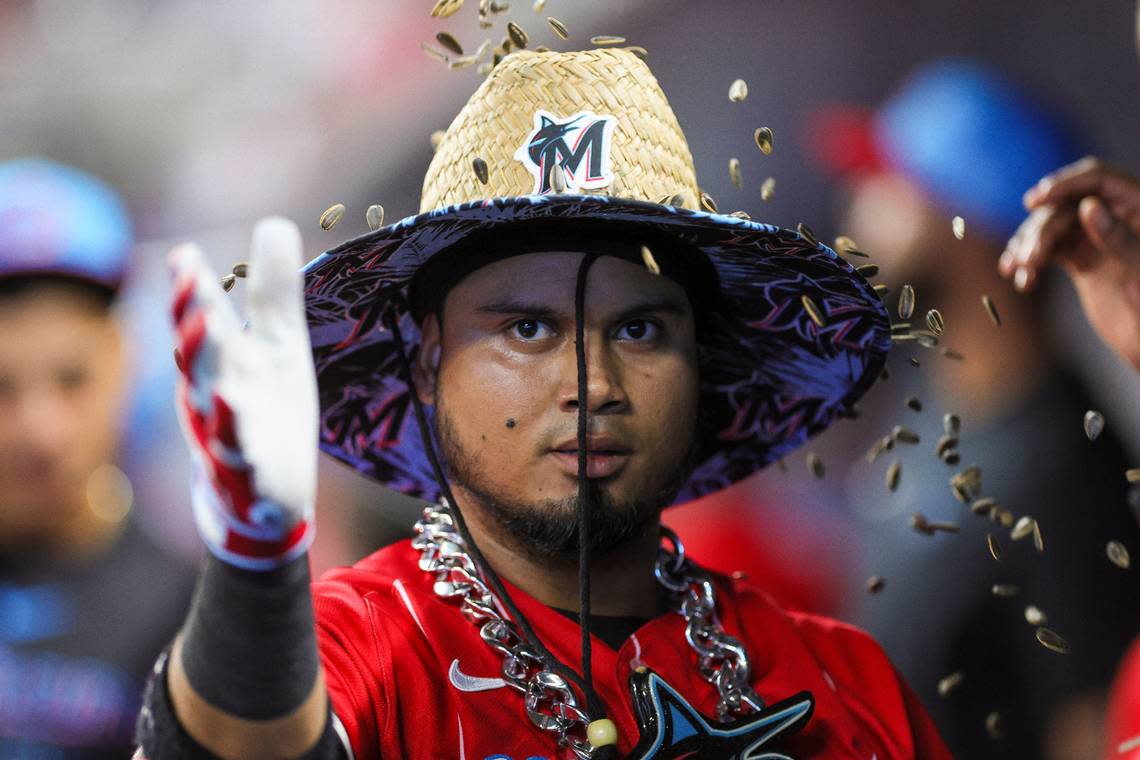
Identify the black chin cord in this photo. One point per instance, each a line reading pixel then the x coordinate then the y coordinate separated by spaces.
pixel 593 703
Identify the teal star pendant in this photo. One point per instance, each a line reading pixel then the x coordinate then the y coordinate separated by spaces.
pixel 672 730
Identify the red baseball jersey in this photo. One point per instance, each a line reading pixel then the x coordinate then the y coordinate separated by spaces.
pixel 1122 722
pixel 409 677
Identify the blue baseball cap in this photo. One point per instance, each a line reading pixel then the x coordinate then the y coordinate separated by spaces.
pixel 56 220
pixel 968 136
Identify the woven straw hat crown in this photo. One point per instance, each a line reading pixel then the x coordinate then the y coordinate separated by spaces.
pixel 648 156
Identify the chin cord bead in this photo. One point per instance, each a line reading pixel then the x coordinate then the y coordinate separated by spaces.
pixel 602 733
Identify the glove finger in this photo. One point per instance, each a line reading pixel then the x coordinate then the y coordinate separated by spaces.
pixel 205 321
pixel 276 285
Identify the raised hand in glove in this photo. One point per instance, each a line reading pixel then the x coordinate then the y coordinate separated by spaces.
pixel 247 401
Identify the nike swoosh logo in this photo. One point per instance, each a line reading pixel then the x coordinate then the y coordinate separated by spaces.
pixel 464 682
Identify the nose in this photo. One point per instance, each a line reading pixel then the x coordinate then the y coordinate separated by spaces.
pixel 605 393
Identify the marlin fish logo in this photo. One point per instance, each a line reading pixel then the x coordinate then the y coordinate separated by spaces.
pixel 580 144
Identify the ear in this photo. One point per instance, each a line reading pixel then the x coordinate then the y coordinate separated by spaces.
pixel 425 368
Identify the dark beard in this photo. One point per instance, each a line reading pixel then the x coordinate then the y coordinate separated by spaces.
pixel 547 530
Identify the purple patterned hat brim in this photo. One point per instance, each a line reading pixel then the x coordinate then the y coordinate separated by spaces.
pixel 770 378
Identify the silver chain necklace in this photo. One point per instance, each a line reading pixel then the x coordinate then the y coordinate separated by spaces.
pixel 549 701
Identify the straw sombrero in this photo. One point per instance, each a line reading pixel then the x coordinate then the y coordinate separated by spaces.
pixel 771 376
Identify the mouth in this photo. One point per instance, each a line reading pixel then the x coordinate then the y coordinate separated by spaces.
pixel 604 457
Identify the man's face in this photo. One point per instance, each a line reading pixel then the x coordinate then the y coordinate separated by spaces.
pixel 60 404
pixel 506 395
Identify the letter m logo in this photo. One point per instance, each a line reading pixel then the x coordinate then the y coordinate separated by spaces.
pixel 580 144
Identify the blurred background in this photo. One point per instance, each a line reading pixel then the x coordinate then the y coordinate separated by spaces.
pixel 205 116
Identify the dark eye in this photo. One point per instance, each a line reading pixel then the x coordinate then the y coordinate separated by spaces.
pixel 638 330
pixel 530 329
pixel 71 378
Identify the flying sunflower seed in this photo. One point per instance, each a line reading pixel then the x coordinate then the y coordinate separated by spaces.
pixel 445 8
pixel 913 403
pixel 764 139
pixel 951 424
pixel 881 290
pixel 228 282
pixel 558 27
pixel 557 178
pixel 843 244
pixel 815 464
pixel 498 8
pixel 1094 424
pixel 945 527
pixel 1118 555
pixel 734 173
pixel 374 216
pixel 1038 542
pixel 505 45
pixel 518 36
pixel 433 52
pixel 993 725
pixel 949 684
pixel 448 41
pixel 436 139
pixel 991 310
pixel 919 523
pixel 935 322
pixel 875 584
pixel 812 310
pixel 480 167
pixel 893 473
pixel 639 51
pixel 539 5
pixel 952 458
pixel 906 302
pixel 926 339
pixel 1052 640
pixel 951 354
pixel 1023 528
pixel 946 443
pixel 807 234
pixel 679 200
pixel 958 225
pixel 901 326
pixel 650 262
pixel 462 62
pixel 1034 616
pixel 1002 517
pixel 331 216
pixel 1132 475
pixel 983 507
pixel 881 445
pixel 903 434
pixel 738 91
pixel 241 269
pixel 867 270
pixel 607 39
pixel 767 188
pixel 707 202
pixel 992 545
pixel 1005 590
pixel 741 214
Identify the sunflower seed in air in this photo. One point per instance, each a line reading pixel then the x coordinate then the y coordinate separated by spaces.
pixel 558 27
pixel 448 41
pixel 436 138
pixel 650 262
pixel 1094 424
pixel 913 403
pixel 1002 517
pixel 741 214
pixel 331 216
pixel 707 202
pixel 539 5
pixel 893 473
pixel 518 36
pixel 812 310
pixel 557 178
pixel 738 91
pixel 505 44
pixel 951 354
pixel 958 224
pixel 993 725
pixel 228 282
pixel 945 527
pixel 767 188
pixel 935 322
pixel 480 167
pixel 433 52
pixel 946 443
pixel 900 327
pixel 881 290
pixel 991 310
pixel 240 269
pixel 952 424
pixel 919 523
pixel 881 445
pixel 374 216
pixel 1052 640
pixel 952 458
pixel 445 8
pixel 462 62
pixel 1132 475
pixel 815 464
pixel 679 200
pixel 875 584
pixel 807 234
pixel 639 51
pixel 606 39
pixel 1004 589
pixel 1038 542
pixel 1023 528
pixel 1034 616
pixel 498 8
pixel 903 434
pixel 949 683
pixel 1118 555
pixel 868 270
pixel 906 302
pixel 992 545
pixel 983 507
pixel 843 244
pixel 734 173
pixel 764 139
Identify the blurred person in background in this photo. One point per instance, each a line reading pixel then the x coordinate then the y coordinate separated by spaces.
pixel 86 600
pixel 960 139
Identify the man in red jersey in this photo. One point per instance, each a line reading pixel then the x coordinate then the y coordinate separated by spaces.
pixel 558 348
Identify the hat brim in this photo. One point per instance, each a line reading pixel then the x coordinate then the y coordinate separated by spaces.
pixel 770 377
